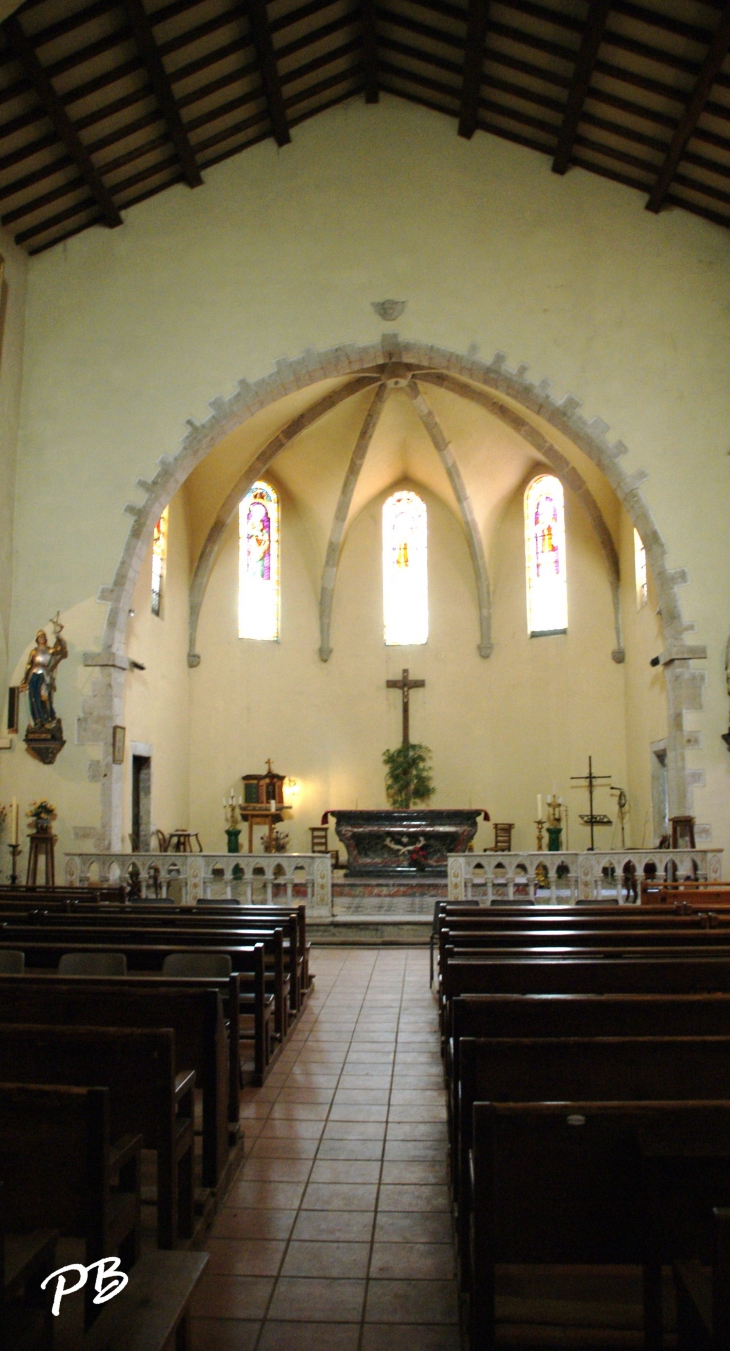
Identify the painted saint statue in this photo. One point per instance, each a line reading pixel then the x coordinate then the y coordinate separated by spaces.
pixel 39 675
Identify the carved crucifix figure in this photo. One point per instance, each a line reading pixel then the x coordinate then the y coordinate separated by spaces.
pixel 405 686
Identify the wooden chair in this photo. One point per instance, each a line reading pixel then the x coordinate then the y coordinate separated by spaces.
pixel 11 963
pixel 502 837
pixel 320 837
pixel 163 841
pixel 92 964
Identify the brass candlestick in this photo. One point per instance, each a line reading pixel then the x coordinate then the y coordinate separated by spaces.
pixel 540 827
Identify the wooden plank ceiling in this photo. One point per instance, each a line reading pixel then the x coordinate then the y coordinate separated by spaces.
pixel 106 102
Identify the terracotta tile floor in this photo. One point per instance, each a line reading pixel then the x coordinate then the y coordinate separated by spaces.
pixel 337 1231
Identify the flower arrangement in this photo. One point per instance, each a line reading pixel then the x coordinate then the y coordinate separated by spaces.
pixel 41 812
pixel 419 855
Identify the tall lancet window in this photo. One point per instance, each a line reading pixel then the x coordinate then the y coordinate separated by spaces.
pixel 547 591
pixel 159 563
pixel 405 569
pixel 258 564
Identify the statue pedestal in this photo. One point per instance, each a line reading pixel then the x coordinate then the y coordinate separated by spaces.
pixel 381 843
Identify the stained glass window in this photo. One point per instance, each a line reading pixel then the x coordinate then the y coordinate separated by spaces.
pixel 547 592
pixel 159 563
pixel 405 569
pixel 640 571
pixel 258 564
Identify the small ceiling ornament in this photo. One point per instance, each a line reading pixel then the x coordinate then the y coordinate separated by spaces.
pixel 389 309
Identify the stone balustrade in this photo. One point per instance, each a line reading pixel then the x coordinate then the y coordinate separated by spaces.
pixel 186 879
pixel 566 877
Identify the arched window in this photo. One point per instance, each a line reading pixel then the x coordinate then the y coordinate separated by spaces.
pixel 258 564
pixel 640 571
pixel 159 563
pixel 405 569
pixel 547 592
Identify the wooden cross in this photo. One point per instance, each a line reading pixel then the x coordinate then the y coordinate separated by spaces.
pixel 405 686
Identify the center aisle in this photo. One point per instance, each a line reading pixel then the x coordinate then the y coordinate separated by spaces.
pixel 337 1232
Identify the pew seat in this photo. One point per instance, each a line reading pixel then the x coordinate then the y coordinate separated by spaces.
pixel 703 1295
pixel 152 1313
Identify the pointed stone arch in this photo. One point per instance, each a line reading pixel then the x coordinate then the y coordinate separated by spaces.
pixel 684 684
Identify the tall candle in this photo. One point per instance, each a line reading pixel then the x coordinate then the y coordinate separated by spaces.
pixel 539 806
pixel 14 821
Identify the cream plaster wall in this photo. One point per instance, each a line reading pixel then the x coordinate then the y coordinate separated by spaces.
pixel 156 708
pixel 646 696
pixel 129 332
pixel 500 730
pixel 12 322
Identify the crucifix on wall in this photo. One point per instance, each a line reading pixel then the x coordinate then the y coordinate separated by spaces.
pixel 405 686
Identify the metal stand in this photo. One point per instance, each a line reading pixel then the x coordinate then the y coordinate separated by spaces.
pixel 540 827
pixel 15 849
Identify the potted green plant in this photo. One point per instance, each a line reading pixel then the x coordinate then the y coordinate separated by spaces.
pixel 408 779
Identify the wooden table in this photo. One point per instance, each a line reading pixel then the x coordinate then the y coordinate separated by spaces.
pixel 261 814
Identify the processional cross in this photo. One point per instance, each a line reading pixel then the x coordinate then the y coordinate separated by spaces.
pixel 405 686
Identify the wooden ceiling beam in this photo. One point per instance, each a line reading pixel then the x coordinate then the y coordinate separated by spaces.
pixel 261 33
pixel 585 62
pixel 476 37
pixel 149 52
pixel 370 49
pixel 24 53
pixel 693 111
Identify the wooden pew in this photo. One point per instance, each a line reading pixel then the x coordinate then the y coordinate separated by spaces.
pixel 147 956
pixel 146 1096
pixel 565 1182
pixel 252 1003
pixel 58 1166
pixel 599 1069
pixel 232 920
pixel 25 1261
pixel 583 975
pixel 703 1297
pixel 527 1017
pixel 194 1015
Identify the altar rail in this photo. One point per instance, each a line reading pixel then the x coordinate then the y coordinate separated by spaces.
pixel 280 879
pixel 566 877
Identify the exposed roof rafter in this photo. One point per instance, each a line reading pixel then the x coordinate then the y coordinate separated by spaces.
pixel 261 34
pixel 586 59
pixel 23 51
pixel 476 34
pixel 693 111
pixel 370 50
pixel 149 52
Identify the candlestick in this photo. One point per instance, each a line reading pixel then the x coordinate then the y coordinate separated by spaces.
pixel 15 849
pixel 14 821
pixel 540 827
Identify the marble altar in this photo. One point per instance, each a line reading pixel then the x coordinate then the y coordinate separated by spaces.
pixel 388 842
